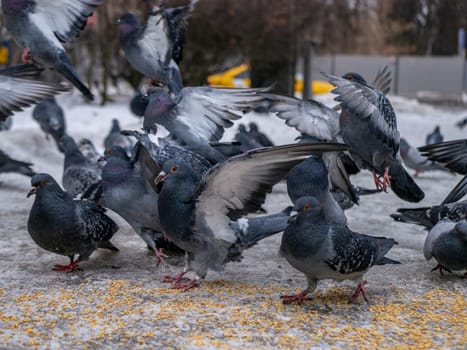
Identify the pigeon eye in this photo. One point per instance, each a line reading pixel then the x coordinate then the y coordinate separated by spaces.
pixel 307 207
pixel 108 151
pixel 173 169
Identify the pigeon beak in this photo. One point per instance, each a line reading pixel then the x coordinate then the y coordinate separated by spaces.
pixel 159 180
pixel 31 191
pixel 293 216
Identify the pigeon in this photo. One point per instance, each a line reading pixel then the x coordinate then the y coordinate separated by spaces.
pixel 67 226
pixel 78 173
pixel 18 89
pixel 10 165
pixel 138 104
pixel 258 136
pixel 41 27
pixel 88 150
pixel 324 251
pixel 447 243
pixel 155 49
pixel 6 124
pixel 453 154
pixel 115 138
pixel 128 193
pixel 434 137
pixel 246 142
pixel 310 178
pixel 51 119
pixel 198 115
pixel 462 123
pixel 412 159
pixel 195 210
pixel 368 124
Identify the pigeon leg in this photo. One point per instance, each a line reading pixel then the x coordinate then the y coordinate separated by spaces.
pixel 386 179
pixel 377 181
pixel 72 266
pixel 160 256
pixel 360 290
pixel 440 268
pixel 26 56
pixel 299 298
pixel 178 278
pixel 184 286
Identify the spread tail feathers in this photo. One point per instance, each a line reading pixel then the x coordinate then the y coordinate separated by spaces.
pixel 403 185
pixel 413 216
pixel 65 68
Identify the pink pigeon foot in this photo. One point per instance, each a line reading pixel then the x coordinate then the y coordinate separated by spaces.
pixel 360 290
pixel 299 298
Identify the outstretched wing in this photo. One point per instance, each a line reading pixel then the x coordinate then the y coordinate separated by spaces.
pixel 306 116
pixel 239 185
pixel 365 102
pixel 453 154
pixel 155 40
pixel 66 18
pixel 206 111
pixel 17 93
pixel 383 80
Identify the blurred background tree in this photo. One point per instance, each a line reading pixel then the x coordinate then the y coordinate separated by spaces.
pixel 270 35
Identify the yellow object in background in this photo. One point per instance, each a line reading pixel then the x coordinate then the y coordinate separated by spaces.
pixel 239 76
pixel 4 55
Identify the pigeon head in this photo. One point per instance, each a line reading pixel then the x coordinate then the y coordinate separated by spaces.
pixel 138 104
pixel 40 182
pixel 115 126
pixel 354 77
pixel 160 103
pixel 242 128
pixel 116 152
pixel 175 172
pixel 308 206
pixel 253 127
pixel 68 144
pixel 127 23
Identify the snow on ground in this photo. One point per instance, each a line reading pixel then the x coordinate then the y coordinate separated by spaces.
pixel 118 301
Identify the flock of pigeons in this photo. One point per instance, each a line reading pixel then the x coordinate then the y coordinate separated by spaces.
pixel 193 190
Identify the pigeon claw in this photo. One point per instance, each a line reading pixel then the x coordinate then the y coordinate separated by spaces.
pixel 160 256
pixel 175 279
pixel 184 286
pixel 299 298
pixel 73 266
pixel 382 182
pixel 360 290
pixel 441 269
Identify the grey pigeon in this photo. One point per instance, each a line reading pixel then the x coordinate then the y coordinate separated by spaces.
pixel 434 137
pixel 51 119
pixel 128 193
pixel 155 49
pixel 453 154
pixel 18 90
pixel 413 159
pixel 6 124
pixel 66 226
pixel 246 142
pixel 138 104
pixel 78 173
pixel 88 150
pixel 115 138
pixel 462 123
pixel 42 26
pixel 323 251
pixel 198 115
pixel 368 124
pixel 311 178
pixel 258 136
pixel 447 243
pixel 10 165
pixel 195 210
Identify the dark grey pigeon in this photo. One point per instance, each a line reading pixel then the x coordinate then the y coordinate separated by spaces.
pixel 78 173
pixel 198 115
pixel 195 211
pixel 323 251
pixel 155 49
pixel 115 138
pixel 311 178
pixel 10 165
pixel 66 226
pixel 368 124
pixel 42 26
pixel 128 193
pixel 138 104
pixel 413 159
pixel 462 123
pixel 258 136
pixel 18 90
pixel 51 119
pixel 434 137
pixel 87 148
pixel 447 243
pixel 246 142
pixel 6 124
pixel 453 154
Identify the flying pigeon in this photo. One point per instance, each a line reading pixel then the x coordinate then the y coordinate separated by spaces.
pixel 324 251
pixel 66 226
pixel 78 173
pixel 18 89
pixel 453 154
pixel 51 119
pixel 198 115
pixel 43 26
pixel 414 160
pixel 155 49
pixel 10 165
pixel 195 209
pixel 434 137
